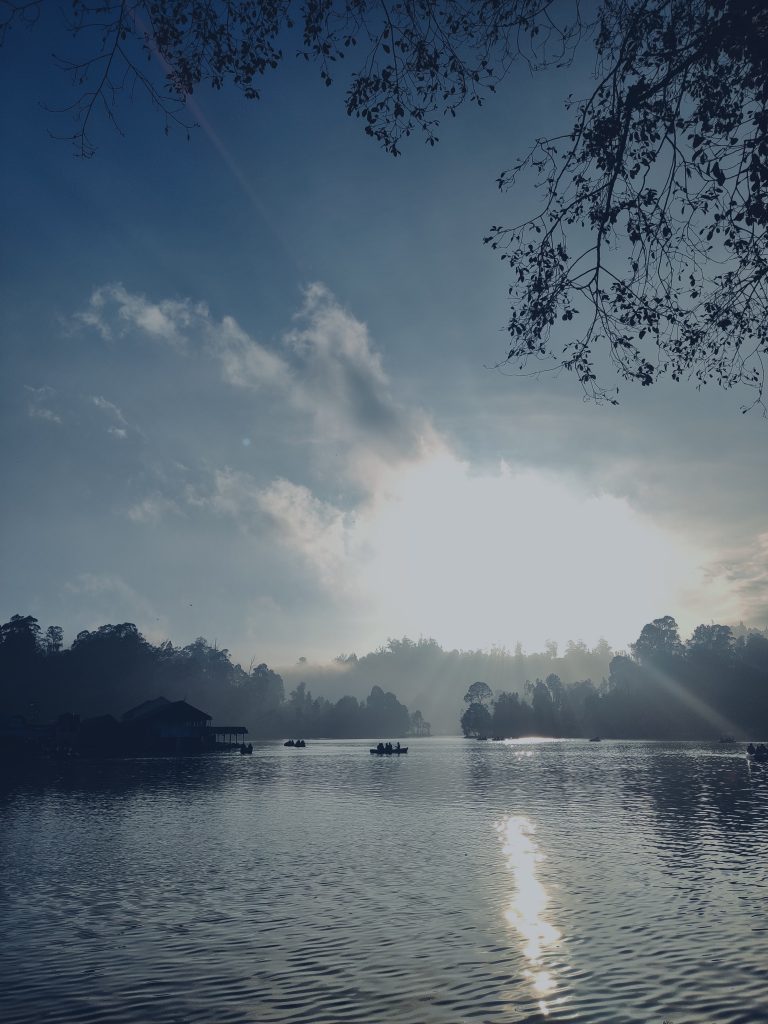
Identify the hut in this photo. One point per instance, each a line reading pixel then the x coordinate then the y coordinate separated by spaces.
pixel 168 727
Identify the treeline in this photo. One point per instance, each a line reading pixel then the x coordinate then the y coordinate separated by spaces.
pixel 427 676
pixel 713 684
pixel 113 668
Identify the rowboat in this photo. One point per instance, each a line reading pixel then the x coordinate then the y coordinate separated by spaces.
pixel 388 753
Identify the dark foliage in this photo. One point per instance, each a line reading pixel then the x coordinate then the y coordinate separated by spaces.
pixel 113 668
pixel 651 244
pixel 649 250
pixel 715 684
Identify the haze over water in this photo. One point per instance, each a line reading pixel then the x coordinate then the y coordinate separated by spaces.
pixel 494 882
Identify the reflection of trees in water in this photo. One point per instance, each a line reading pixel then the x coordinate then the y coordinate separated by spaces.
pixel 699 799
pixel 121 780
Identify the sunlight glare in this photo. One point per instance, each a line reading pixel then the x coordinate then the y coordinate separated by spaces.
pixel 477 560
pixel 526 912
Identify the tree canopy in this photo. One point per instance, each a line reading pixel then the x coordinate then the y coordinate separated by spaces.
pixel 109 669
pixel 648 251
pixel 715 684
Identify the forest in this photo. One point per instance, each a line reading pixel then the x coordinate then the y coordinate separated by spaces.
pixel 113 668
pixel 714 684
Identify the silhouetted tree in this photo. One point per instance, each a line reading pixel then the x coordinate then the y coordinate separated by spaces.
pixel 476 720
pixel 419 725
pixel 651 243
pixel 478 693
pixel 712 641
pixel 658 639
pixel 20 640
pixel 54 639
pixel 511 716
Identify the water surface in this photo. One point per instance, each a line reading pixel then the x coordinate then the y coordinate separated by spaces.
pixel 478 882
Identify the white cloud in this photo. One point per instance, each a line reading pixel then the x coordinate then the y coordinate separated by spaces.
pixel 44 414
pixel 333 377
pixel 232 493
pixel 318 531
pixel 151 509
pixel 244 362
pixel 110 408
pixel 39 401
pixel 429 544
pixel 744 574
pixel 328 372
pixel 112 309
pixel 119 431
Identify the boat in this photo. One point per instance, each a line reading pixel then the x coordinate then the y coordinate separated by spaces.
pixel 388 753
pixel 596 739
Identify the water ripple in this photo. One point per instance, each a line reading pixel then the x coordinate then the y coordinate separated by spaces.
pixel 515 883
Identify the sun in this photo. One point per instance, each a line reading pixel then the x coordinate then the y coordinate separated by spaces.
pixel 478 560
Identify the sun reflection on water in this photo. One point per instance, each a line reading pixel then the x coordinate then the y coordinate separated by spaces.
pixel 526 911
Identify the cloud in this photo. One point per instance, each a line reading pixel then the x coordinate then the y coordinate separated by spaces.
pixel 318 531
pixel 744 572
pixel 326 370
pixel 341 384
pixel 386 516
pixel 151 509
pixel 232 493
pixel 110 408
pixel 112 310
pixel 119 428
pixel 38 403
pixel 244 362
pixel 332 376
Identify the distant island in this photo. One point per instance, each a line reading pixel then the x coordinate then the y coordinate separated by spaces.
pixel 112 668
pixel 714 685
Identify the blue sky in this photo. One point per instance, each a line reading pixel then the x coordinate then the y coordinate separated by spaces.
pixel 245 394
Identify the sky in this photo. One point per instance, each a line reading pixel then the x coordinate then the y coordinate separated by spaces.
pixel 247 392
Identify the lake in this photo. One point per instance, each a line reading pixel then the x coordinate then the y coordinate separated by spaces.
pixel 489 882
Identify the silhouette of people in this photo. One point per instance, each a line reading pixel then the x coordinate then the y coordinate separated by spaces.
pixel 397 748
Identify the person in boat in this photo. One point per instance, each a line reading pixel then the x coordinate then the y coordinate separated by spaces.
pixel 751 748
pixel 397 747
pixel 380 747
pixel 388 748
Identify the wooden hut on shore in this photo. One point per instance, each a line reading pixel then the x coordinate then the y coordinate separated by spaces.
pixel 163 726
